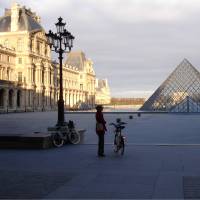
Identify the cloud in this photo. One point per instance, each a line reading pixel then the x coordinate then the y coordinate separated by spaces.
pixel 132 10
pixel 136 44
pixel 116 10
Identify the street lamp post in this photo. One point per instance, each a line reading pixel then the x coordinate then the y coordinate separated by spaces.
pixel 60 42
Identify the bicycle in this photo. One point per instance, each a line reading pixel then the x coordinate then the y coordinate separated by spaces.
pixel 64 134
pixel 119 140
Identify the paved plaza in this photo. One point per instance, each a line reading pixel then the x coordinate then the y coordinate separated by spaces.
pixel 76 172
pixel 158 168
pixel 147 129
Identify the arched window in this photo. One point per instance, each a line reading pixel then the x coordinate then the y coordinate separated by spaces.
pixel 45 51
pixel 50 96
pixel 2 93
pixel 18 98
pixel 38 99
pixel 43 99
pixel 1 72
pixel 50 77
pixel 55 100
pixel 69 100
pixel 29 97
pixel 73 100
pixel 57 96
pixel 34 71
pixel 31 45
pixel 43 76
pixel 8 73
pixel 38 47
pixel 10 98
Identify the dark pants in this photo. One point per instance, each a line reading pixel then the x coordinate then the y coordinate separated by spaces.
pixel 101 144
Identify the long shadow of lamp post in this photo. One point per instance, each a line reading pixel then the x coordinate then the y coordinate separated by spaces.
pixel 60 42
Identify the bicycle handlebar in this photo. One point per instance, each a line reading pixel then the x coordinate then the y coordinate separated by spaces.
pixel 118 124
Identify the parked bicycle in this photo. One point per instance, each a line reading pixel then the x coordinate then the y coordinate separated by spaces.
pixel 65 134
pixel 119 140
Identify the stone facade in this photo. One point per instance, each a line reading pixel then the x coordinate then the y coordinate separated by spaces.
pixel 29 79
pixel 102 92
pixel 80 86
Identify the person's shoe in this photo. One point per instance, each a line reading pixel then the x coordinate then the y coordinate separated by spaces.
pixel 102 155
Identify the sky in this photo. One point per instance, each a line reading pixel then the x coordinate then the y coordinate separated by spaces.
pixel 135 44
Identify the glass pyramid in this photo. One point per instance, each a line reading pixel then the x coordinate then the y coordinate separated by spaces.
pixel 182 84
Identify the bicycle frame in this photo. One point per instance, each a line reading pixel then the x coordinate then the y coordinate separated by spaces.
pixel 119 143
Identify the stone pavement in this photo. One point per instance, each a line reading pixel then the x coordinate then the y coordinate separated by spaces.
pixel 147 129
pixel 145 172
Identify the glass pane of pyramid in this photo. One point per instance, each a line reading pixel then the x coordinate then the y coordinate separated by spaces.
pixel 187 105
pixel 183 82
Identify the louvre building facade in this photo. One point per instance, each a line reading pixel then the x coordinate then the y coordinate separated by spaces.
pixel 180 92
pixel 28 76
pixel 102 92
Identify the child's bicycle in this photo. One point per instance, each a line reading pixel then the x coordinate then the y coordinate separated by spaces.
pixel 119 140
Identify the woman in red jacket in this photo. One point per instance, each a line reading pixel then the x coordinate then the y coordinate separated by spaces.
pixel 100 130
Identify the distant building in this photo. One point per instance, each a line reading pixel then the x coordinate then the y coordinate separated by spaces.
pixel 25 58
pixel 102 92
pixel 127 101
pixel 84 80
pixel 29 79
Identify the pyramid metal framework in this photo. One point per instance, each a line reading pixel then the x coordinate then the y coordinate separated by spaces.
pixel 187 105
pixel 183 85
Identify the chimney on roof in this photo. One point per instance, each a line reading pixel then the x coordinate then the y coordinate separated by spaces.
pixel 15 8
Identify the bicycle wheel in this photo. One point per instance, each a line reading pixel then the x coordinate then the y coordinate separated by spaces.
pixel 116 144
pixel 57 140
pixel 115 148
pixel 122 146
pixel 74 137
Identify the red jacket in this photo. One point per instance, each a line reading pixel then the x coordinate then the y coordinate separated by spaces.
pixel 100 119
